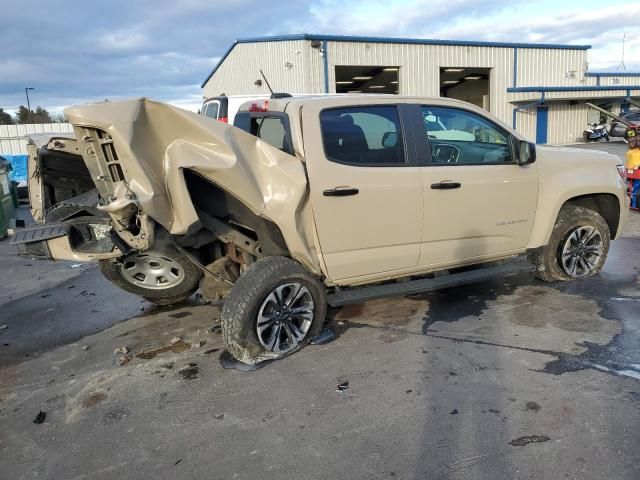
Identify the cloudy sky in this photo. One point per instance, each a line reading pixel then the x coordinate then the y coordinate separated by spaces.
pixel 74 51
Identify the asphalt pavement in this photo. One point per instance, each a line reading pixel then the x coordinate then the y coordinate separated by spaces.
pixel 507 379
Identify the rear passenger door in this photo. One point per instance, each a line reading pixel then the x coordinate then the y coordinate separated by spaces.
pixel 478 202
pixel 365 189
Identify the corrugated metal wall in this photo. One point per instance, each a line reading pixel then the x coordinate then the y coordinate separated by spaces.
pixel 13 138
pixel 420 75
pixel 288 65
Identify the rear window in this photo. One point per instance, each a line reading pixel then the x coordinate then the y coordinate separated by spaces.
pixel 273 129
pixel 211 110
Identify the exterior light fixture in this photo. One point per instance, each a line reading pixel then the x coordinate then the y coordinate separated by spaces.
pixel 377 86
pixel 473 77
pixel 362 78
pixel 394 82
pixel 454 69
pixel 390 69
pixel 344 82
pixel 450 82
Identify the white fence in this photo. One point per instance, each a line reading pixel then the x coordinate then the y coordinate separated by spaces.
pixel 13 138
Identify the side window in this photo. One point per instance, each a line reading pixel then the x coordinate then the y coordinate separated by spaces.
pixel 273 129
pixel 461 137
pixel 363 135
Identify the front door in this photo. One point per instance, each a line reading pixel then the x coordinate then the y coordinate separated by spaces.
pixel 366 194
pixel 478 202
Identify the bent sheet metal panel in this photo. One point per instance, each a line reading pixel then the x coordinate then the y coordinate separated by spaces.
pixel 155 141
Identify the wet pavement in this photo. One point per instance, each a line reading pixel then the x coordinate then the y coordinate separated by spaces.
pixel 504 379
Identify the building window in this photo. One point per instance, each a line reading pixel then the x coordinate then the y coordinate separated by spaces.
pixel 367 79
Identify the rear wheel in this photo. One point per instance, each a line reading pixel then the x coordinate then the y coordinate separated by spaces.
pixel 162 276
pixel 578 246
pixel 274 309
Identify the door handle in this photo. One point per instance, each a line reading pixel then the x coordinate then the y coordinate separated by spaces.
pixel 446 185
pixel 340 192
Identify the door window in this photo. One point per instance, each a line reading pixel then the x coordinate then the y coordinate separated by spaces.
pixel 460 137
pixel 364 136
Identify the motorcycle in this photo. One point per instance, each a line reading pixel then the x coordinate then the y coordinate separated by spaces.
pixel 596 132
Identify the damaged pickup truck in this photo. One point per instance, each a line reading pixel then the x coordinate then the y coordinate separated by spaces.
pixel 314 201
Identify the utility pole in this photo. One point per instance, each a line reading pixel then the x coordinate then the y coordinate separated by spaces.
pixel 26 91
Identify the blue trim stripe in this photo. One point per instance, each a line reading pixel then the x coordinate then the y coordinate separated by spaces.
pixel 588 88
pixel 612 74
pixel 412 41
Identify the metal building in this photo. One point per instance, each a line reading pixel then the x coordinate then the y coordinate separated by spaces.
pixel 540 89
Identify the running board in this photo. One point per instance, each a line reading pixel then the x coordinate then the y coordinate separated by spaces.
pixel 362 294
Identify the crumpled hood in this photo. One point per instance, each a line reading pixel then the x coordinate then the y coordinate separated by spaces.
pixel 155 141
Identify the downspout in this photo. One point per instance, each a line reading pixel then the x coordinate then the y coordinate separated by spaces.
pixel 515 83
pixel 325 59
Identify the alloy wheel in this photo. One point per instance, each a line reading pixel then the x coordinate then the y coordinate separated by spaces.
pixel 285 317
pixel 581 251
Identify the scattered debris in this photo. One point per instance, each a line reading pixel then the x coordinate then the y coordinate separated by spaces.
pixel 175 347
pixel 532 406
pixel 454 412
pixel 211 350
pixel 190 372
pixel 522 441
pixel 178 461
pixel 4 327
pixel 229 362
pixel 408 391
pixel 85 347
pixel 180 314
pixel 76 265
pixel 216 329
pixel 342 386
pixel 40 417
pixel 325 336
pixel 199 344
pixel 120 350
pixel 175 340
pixel 168 365
pixel 124 359
pixel 219 416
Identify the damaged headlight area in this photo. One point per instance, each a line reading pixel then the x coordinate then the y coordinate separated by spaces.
pixel 80 239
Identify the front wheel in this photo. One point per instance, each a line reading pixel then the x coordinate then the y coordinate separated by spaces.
pixel 163 276
pixel 578 246
pixel 274 309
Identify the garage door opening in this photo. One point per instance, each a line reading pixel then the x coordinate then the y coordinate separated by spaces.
pixel 467 84
pixel 367 79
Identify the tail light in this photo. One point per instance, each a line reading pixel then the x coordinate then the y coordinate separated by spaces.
pixel 223 119
pixel 259 106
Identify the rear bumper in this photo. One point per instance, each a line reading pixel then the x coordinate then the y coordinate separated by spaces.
pixel 81 240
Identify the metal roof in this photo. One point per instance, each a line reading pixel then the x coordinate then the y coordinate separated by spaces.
pixel 398 40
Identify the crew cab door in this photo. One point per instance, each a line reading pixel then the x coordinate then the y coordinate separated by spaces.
pixel 365 188
pixel 479 203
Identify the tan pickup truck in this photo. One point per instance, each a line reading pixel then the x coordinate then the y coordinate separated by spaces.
pixel 314 201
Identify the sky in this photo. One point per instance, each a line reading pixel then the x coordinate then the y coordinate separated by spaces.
pixel 74 51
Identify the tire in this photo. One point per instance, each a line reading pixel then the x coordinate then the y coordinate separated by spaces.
pixel 252 306
pixel 573 224
pixel 185 279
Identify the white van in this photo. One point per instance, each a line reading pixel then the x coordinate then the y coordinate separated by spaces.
pixel 224 108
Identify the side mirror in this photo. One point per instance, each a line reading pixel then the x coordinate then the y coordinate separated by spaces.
pixel 389 139
pixel 526 153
